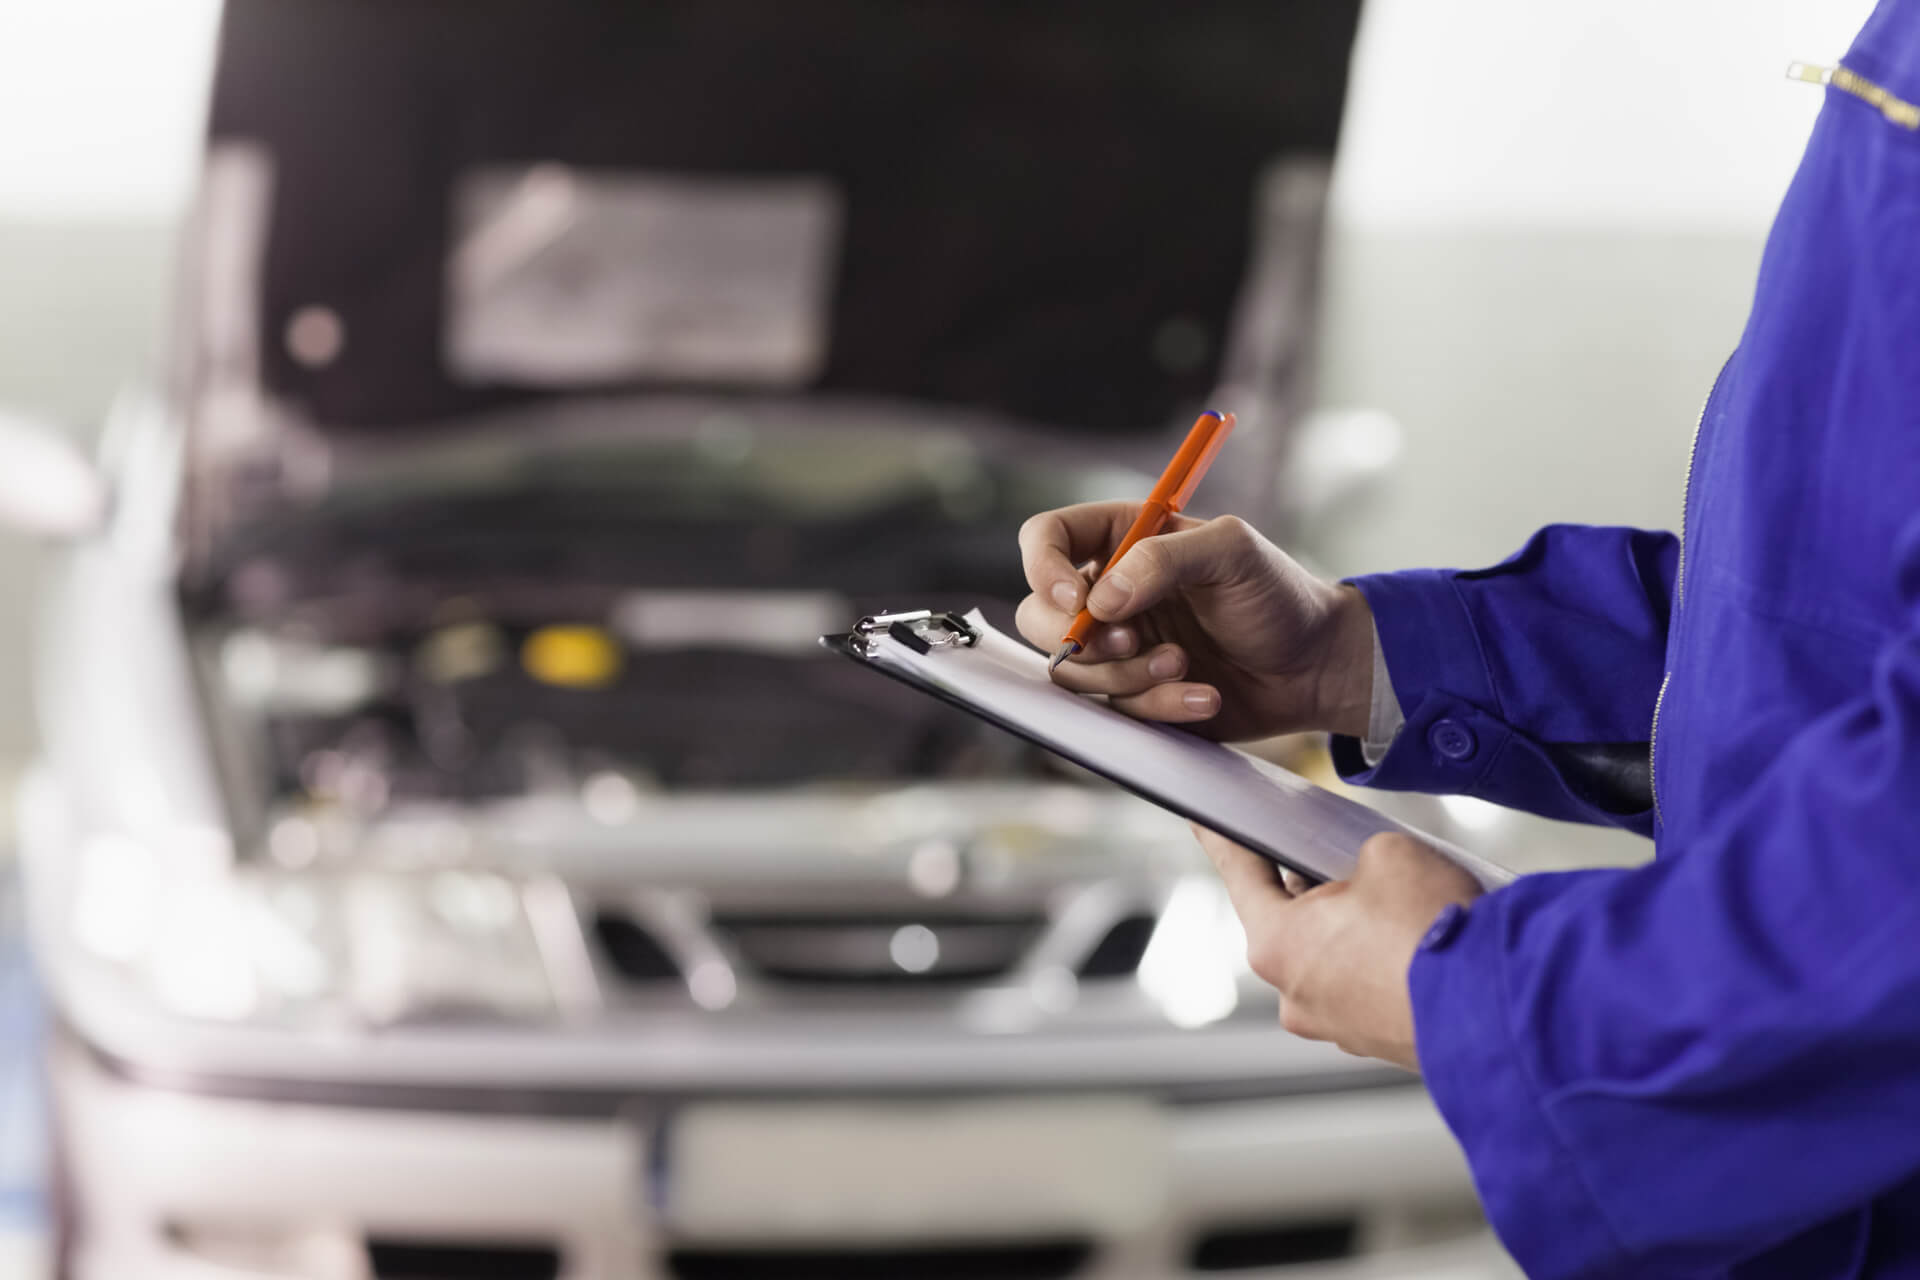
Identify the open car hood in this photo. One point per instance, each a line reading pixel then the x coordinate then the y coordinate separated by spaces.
pixel 1068 217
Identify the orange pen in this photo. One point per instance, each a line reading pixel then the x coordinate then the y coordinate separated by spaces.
pixel 1176 487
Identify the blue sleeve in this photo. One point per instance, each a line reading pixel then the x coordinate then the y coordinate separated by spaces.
pixel 1530 684
pixel 1709 1054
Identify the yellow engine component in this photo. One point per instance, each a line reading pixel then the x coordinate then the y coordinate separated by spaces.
pixel 571 656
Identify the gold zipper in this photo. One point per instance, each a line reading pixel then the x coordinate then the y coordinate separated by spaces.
pixel 1679 593
pixel 1896 110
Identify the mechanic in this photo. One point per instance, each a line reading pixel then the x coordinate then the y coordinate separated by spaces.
pixel 1709 1065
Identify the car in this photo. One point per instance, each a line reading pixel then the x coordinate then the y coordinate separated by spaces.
pixel 451 854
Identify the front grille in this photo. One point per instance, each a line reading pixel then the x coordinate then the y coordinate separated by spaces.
pixel 1045 1261
pixel 1243 1248
pixel 407 1258
pixel 879 949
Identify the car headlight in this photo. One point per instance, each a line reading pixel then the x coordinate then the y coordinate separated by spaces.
pixel 443 943
pixel 1197 955
pixel 328 947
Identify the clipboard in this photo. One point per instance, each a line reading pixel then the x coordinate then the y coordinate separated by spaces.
pixel 963 660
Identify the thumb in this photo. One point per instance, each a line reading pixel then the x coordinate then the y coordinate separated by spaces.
pixel 1154 568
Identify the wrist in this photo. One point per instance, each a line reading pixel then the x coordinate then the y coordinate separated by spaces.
pixel 1345 695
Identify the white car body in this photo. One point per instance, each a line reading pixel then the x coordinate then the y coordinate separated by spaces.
pixel 223 1111
pixel 317 1020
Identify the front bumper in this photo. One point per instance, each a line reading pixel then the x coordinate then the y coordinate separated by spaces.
pixel 179 1183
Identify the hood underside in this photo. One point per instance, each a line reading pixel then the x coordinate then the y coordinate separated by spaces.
pixel 1066 218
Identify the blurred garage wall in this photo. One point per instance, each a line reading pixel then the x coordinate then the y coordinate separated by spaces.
pixel 1548 218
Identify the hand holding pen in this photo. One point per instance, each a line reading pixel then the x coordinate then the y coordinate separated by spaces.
pixel 1196 622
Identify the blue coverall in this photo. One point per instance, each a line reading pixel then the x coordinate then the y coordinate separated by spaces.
pixel 1709 1065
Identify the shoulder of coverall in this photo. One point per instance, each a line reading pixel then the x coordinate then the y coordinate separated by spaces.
pixel 1887 50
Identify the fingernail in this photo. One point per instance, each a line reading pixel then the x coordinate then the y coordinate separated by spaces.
pixel 1111 593
pixel 1067 596
pixel 1201 700
pixel 1119 641
pixel 1164 665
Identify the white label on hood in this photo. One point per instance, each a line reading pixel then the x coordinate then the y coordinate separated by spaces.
pixel 567 277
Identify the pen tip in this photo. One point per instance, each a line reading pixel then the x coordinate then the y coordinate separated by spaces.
pixel 1065 651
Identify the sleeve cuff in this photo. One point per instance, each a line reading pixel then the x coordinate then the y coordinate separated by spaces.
pixel 1533 1193
pixel 1454 739
pixel 1426 636
pixel 1437 682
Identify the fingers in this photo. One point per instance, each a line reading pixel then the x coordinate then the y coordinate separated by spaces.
pixel 1054 543
pixel 1253 883
pixel 1258 898
pixel 1147 686
pixel 1294 883
pixel 1157 666
pixel 1175 702
pixel 1043 626
pixel 1216 551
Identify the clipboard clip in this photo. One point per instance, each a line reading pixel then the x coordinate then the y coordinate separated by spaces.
pixel 922 631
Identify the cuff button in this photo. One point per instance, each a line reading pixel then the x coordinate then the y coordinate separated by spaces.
pixel 1452 740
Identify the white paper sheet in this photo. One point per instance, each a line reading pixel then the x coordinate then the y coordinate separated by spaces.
pixel 1258 803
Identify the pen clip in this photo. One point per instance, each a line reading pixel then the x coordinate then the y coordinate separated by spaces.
pixel 922 630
